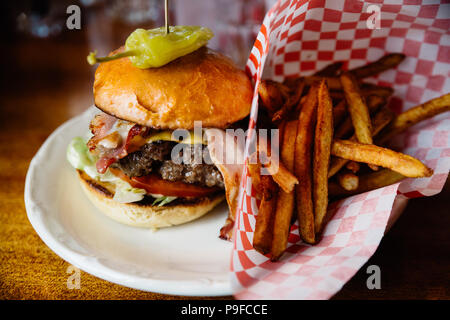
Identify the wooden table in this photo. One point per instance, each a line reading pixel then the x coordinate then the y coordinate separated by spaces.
pixel 46 82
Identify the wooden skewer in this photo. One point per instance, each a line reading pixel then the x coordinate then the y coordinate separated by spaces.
pixel 166 8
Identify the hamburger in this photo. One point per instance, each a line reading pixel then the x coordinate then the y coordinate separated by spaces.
pixel 126 166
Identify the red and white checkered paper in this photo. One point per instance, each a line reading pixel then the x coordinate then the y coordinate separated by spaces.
pixel 300 37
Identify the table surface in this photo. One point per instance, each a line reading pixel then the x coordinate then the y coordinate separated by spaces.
pixel 46 82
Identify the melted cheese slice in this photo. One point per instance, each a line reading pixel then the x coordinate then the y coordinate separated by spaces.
pixel 192 138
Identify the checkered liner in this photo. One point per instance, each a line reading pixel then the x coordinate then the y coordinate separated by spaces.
pixel 299 37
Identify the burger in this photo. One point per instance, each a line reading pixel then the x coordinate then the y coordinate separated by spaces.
pixel 128 166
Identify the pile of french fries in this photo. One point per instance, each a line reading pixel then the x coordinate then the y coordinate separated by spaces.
pixel 333 127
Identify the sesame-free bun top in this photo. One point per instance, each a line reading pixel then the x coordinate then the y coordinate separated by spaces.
pixel 203 85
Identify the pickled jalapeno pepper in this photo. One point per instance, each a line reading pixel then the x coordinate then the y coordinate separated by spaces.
pixel 154 48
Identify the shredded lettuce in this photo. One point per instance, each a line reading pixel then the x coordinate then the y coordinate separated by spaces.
pixel 78 154
pixel 125 193
pixel 80 158
pixel 163 200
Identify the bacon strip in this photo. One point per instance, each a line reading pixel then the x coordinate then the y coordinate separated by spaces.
pixel 112 155
pixel 227 154
pixel 101 127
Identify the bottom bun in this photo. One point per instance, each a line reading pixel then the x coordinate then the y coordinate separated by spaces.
pixel 143 213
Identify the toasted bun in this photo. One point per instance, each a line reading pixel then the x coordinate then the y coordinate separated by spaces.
pixel 203 85
pixel 143 214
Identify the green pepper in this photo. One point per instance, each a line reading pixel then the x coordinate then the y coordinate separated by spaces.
pixel 154 48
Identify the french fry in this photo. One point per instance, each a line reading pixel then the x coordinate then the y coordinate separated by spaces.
pixel 272 95
pixel 383 119
pixel 386 62
pixel 291 101
pixel 348 180
pixel 335 87
pixel 366 89
pixel 254 170
pixel 337 94
pixel 281 127
pixel 269 188
pixel 332 82
pixel 380 121
pixel 357 108
pixel 300 105
pixel 353 166
pixel 285 201
pixel 321 155
pixel 280 174
pixel 339 112
pixel 367 182
pixel 303 157
pixel 262 237
pixel 345 129
pixel 371 154
pixel 292 82
pixel 331 70
pixel 336 164
pixel 415 115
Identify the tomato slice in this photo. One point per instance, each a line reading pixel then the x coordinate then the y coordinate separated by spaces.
pixel 155 184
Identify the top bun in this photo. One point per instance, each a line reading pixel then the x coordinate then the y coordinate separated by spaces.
pixel 203 85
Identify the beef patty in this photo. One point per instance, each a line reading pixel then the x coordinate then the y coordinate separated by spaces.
pixel 156 157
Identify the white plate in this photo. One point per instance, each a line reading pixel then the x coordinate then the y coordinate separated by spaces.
pixel 188 259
